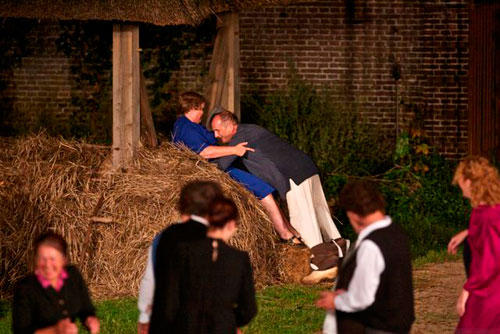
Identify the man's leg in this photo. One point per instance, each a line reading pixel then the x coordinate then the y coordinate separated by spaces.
pixel 263 192
pixel 302 214
pixel 325 221
pixel 289 226
pixel 276 217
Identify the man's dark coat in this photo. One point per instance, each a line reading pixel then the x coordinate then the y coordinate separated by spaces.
pixel 274 160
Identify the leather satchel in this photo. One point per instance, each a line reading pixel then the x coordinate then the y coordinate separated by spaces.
pixel 329 254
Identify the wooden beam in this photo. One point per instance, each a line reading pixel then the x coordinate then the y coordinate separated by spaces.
pixel 126 93
pixel 233 67
pixel 148 133
pixel 224 73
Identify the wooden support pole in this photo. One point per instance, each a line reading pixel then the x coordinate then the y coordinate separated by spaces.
pixel 126 93
pixel 224 73
pixel 233 66
pixel 148 133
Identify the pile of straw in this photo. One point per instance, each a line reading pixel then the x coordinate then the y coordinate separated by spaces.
pixel 55 184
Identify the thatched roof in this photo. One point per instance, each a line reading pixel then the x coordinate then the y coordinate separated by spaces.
pixel 159 12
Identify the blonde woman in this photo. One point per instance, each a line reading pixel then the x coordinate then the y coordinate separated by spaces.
pixel 479 302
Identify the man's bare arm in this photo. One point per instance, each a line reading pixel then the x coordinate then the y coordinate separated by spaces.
pixel 211 152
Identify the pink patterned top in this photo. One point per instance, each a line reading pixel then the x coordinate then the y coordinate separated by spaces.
pixel 46 283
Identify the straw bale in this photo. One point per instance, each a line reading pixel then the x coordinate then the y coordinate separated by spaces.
pixel 294 263
pixel 55 184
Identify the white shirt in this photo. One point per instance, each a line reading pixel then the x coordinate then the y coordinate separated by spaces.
pixel 147 287
pixel 370 264
pixel 146 290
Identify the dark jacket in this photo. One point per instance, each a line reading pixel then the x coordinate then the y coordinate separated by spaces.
pixel 165 252
pixel 392 310
pixel 35 307
pixel 274 160
pixel 208 295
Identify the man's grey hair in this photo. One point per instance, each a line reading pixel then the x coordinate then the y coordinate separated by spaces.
pixel 224 114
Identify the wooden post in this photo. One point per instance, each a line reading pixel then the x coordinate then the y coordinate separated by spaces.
pixel 148 133
pixel 233 67
pixel 126 93
pixel 224 74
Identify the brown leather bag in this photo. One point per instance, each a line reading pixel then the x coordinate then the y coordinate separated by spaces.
pixel 329 254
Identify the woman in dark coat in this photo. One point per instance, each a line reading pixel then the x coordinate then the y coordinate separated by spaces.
pixel 51 298
pixel 213 282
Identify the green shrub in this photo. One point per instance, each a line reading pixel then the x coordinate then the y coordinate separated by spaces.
pixel 414 179
pixel 333 134
pixel 428 206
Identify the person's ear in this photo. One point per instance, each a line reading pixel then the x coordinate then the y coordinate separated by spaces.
pixel 353 217
pixel 231 227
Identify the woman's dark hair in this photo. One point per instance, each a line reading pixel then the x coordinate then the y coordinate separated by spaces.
pixel 222 210
pixel 53 240
pixel 196 197
pixel 362 198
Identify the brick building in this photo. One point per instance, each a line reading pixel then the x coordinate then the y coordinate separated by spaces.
pixel 390 57
pixel 357 45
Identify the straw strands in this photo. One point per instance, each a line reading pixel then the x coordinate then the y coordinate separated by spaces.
pixel 108 218
pixel 159 12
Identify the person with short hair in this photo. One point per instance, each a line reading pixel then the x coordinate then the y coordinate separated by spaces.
pixel 211 289
pixel 51 298
pixel 291 172
pixel 479 302
pixel 374 292
pixel 193 205
pixel 189 132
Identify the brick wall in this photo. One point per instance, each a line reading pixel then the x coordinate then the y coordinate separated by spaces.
pixel 193 71
pixel 40 86
pixel 354 46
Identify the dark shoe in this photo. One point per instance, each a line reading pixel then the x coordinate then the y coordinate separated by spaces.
pixel 292 242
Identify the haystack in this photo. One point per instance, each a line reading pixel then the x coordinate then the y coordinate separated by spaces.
pixel 109 219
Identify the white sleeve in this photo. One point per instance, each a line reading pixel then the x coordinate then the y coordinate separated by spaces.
pixel 362 288
pixel 146 290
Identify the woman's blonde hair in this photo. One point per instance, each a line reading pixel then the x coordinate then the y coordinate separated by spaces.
pixel 485 182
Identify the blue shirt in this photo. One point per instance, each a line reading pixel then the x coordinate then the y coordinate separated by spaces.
pixel 195 136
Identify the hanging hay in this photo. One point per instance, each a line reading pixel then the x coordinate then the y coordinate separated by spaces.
pixel 55 184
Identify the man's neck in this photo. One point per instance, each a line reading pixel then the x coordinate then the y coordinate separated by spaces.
pixel 371 218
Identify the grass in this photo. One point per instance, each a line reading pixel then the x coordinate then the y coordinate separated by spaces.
pixel 282 309
pixel 433 256
pixel 288 309
pixel 285 309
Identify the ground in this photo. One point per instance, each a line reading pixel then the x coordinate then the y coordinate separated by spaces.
pixel 436 290
pixel 437 286
pixel 289 309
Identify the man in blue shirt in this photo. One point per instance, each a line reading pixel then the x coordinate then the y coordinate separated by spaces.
pixel 189 132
